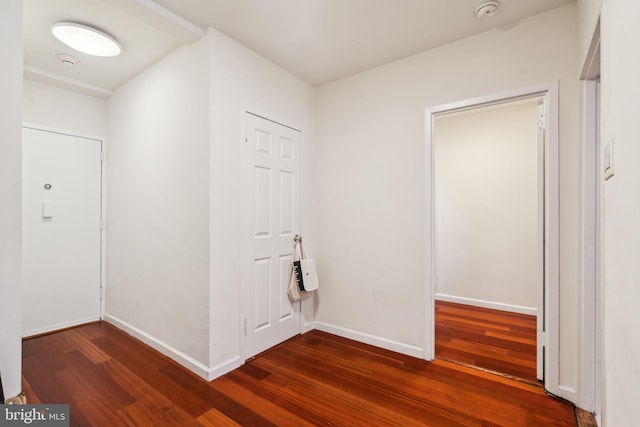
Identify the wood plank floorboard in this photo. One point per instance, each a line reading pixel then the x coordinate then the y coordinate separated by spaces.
pixel 111 379
pixel 490 339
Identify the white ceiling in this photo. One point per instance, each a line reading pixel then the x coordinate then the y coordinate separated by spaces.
pixel 317 40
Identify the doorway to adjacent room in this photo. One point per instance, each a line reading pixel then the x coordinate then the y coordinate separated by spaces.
pixel 493 290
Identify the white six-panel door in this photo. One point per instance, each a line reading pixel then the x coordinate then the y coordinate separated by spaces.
pixel 61 237
pixel 271 218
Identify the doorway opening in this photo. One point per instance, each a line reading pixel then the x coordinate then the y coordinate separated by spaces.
pixel 492 288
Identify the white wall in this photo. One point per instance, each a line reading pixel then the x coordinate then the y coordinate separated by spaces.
pixel 157 222
pixel 174 180
pixel 486 204
pixel 10 195
pixel 621 228
pixel 588 13
pixel 64 109
pixel 371 157
pixel 240 81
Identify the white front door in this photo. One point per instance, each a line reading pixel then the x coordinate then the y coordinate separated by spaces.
pixel 271 219
pixel 61 236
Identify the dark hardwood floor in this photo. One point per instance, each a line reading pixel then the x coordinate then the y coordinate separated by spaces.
pixel 490 339
pixel 112 379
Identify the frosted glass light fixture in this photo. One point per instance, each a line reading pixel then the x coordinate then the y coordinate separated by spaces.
pixel 86 39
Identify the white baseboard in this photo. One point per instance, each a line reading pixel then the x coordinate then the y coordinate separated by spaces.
pixel 532 311
pixel 208 373
pixel 308 327
pixel 568 393
pixel 374 340
pixel 224 368
pixel 59 326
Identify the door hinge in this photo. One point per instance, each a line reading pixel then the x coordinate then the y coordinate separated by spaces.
pixel 245 327
pixel 101 224
pixel 542 338
pixel 246 136
pixel 542 117
pixel 102 157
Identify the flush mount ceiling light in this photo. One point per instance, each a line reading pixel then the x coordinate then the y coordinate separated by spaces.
pixel 86 39
pixel 487 9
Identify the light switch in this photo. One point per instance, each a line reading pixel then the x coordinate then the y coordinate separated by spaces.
pixel 47 209
pixel 608 160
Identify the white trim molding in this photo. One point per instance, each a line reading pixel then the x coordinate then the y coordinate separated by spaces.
pixel 58 327
pixel 532 311
pixel 224 367
pixel 206 372
pixel 308 327
pixel 52 129
pixel 158 16
pixel 568 393
pixel 363 337
pixel 589 396
pixel 48 77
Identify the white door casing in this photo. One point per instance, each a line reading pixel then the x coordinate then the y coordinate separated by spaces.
pixel 550 313
pixel 62 203
pixel 271 206
pixel 540 341
pixel 591 202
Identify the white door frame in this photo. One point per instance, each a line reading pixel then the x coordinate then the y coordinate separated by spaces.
pixel 551 276
pixel 590 362
pixel 244 306
pixel 103 190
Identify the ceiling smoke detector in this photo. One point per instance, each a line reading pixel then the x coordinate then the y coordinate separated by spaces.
pixel 487 9
pixel 67 60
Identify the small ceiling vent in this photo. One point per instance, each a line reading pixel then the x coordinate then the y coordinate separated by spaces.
pixel 487 9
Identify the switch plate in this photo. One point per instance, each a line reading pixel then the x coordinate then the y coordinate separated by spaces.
pixel 607 167
pixel 47 209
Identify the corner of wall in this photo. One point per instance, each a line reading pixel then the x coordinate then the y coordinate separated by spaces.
pixel 588 12
pixel 161 346
pixel 10 194
pixel 240 80
pixel 157 266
